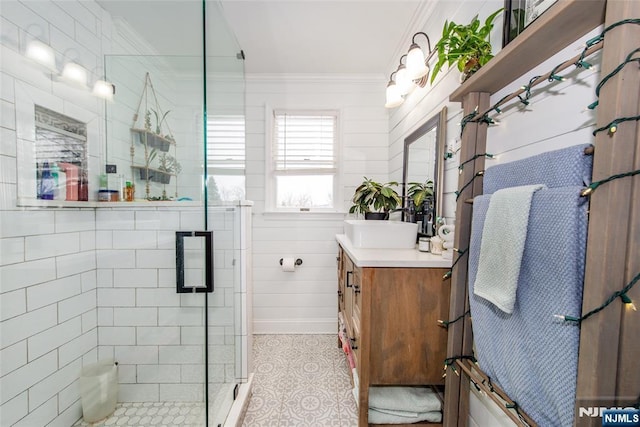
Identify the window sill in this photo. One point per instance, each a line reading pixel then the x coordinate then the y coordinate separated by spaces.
pixel 304 215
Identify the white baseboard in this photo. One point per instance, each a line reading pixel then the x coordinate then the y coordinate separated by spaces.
pixel 296 326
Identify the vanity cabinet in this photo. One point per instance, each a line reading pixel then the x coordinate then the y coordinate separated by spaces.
pixel 391 315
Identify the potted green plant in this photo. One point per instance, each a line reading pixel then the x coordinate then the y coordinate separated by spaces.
pixel 419 191
pixel 169 166
pixel 467 46
pixel 375 200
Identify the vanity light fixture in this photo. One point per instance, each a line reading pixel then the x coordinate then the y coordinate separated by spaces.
pixel 42 54
pixel 394 98
pixel 417 67
pixel 104 89
pixel 413 72
pixel 404 83
pixel 75 74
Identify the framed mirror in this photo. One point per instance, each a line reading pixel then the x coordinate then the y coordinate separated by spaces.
pixel 422 169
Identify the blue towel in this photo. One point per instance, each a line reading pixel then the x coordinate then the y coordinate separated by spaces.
pixel 560 168
pixel 528 353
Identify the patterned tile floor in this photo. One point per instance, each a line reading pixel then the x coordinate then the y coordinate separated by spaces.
pixel 300 380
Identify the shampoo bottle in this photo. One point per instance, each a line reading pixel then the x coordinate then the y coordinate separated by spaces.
pixel 55 174
pixel 46 183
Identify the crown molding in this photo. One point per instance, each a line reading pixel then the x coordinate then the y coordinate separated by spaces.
pixel 315 78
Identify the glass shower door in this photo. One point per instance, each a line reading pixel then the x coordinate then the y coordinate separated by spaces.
pixel 177 344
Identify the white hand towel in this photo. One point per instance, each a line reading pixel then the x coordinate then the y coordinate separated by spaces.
pixel 503 238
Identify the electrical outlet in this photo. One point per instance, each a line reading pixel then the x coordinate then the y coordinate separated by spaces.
pixel 111 169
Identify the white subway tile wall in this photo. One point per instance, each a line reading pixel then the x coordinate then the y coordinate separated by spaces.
pixel 72 278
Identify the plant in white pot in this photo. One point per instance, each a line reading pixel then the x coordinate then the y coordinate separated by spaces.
pixel 375 200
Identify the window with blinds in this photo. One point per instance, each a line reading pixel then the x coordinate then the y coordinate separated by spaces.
pixel 226 157
pixel 304 161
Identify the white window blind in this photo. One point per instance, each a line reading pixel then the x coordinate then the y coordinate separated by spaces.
pixel 304 142
pixel 226 144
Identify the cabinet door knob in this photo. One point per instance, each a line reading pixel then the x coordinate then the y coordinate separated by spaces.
pixel 356 288
pixel 353 344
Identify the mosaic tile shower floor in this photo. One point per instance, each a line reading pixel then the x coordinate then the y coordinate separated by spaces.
pixel 184 414
pixel 300 380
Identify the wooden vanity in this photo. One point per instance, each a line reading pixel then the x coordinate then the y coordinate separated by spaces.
pixel 391 300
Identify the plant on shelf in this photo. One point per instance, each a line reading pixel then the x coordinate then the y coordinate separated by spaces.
pixel 468 46
pixel 373 197
pixel 159 121
pixel 169 165
pixel 153 163
pixel 419 191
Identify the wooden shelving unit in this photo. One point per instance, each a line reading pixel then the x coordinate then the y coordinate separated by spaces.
pixel 608 342
pixel 561 25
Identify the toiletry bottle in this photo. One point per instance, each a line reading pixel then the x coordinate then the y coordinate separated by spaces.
pixel 411 211
pixel 46 183
pixel 129 191
pixel 121 187
pixel 83 188
pixel 62 183
pixel 104 182
pixel 72 181
pixel 55 174
pixel 38 181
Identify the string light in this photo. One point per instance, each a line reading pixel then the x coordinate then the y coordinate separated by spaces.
pixel 622 294
pixel 477 156
pixel 613 126
pixel 592 187
pixel 466 119
pixel 629 59
pixel 514 405
pixel 445 323
pixel 459 192
pixel 600 37
pixel 460 253
pixel 450 361
pixel 527 89
pixel 553 76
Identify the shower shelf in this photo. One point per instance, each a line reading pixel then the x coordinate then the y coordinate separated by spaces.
pixel 152 139
pixel 154 175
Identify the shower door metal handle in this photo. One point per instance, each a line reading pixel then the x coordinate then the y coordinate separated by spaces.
pixel 208 276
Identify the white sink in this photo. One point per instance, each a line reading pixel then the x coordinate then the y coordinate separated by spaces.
pixel 372 234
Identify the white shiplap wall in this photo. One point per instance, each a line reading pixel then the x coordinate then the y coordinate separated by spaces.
pixel 305 301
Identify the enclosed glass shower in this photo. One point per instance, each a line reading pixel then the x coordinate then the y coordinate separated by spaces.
pixel 181 297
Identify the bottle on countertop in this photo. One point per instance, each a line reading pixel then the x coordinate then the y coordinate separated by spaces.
pixel 72 181
pixel 129 191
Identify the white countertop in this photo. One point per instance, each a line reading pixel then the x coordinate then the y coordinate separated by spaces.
pixel 408 258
